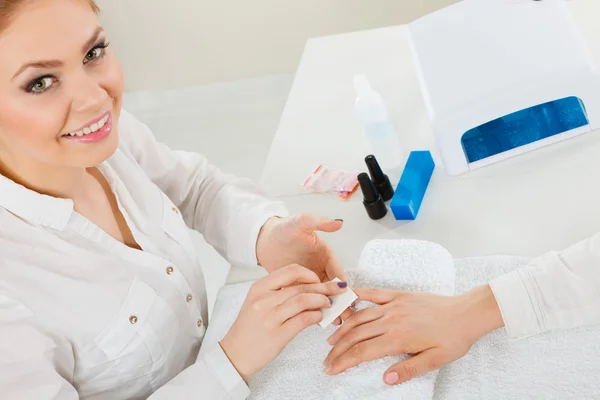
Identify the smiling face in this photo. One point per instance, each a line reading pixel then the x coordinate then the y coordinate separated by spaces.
pixel 60 90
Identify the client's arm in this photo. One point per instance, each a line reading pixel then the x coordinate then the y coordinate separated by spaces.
pixel 557 291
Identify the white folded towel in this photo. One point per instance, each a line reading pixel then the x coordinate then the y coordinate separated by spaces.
pixel 557 365
pixel 298 372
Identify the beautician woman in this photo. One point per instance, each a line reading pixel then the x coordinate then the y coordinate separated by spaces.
pixel 101 294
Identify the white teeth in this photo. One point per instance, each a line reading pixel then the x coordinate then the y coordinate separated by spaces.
pixel 91 129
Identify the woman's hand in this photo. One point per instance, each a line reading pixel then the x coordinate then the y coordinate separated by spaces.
pixel 277 308
pixel 294 240
pixel 436 330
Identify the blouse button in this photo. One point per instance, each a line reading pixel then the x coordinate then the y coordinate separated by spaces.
pixel 170 270
pixel 200 323
pixel 133 319
pixel 189 298
pixel 175 210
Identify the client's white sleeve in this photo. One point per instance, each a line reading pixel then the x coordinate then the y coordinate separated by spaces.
pixel 560 290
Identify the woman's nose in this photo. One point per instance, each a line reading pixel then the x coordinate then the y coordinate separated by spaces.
pixel 88 94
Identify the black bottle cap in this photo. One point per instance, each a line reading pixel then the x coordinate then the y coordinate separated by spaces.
pixel 380 180
pixel 376 208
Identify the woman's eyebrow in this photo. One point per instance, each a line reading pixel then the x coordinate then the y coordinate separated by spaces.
pixel 57 63
pixel 92 40
pixel 39 64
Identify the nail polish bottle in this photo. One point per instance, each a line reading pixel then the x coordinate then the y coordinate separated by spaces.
pixel 380 180
pixel 376 208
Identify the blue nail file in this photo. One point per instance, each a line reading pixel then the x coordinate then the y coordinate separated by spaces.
pixel 413 184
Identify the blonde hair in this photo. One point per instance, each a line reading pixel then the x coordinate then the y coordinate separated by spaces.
pixel 8 9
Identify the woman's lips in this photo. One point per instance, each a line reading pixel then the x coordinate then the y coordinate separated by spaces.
pixel 96 131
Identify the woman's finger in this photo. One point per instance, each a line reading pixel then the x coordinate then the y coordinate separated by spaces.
pixel 346 314
pixel 359 318
pixel 313 222
pixel 300 303
pixel 377 296
pixel 293 326
pixel 369 350
pixel 287 276
pixel 357 335
pixel 326 289
pixel 427 361
pixel 334 268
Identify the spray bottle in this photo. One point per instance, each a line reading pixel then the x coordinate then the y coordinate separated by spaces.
pixel 377 125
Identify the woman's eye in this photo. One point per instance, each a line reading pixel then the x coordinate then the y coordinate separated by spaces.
pixel 93 54
pixel 96 53
pixel 42 84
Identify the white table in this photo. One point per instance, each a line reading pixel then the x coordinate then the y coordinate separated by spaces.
pixel 541 201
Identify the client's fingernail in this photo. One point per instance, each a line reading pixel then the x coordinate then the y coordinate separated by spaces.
pixel 342 285
pixel 328 370
pixel 391 378
pixel 340 220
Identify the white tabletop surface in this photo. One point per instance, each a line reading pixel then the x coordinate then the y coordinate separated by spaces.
pixel 541 201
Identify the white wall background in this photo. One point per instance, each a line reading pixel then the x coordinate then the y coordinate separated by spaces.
pixel 173 43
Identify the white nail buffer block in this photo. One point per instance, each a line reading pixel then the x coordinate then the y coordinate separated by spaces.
pixel 340 303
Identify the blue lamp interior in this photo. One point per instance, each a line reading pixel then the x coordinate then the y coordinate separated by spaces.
pixel 524 127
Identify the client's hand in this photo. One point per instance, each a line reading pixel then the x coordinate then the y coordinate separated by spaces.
pixel 436 330
pixel 277 309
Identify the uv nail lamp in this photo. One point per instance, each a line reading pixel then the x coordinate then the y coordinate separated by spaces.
pixel 503 77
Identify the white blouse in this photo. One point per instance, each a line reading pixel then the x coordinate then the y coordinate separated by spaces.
pixel 83 316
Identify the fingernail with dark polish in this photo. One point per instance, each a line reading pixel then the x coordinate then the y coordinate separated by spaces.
pixel 340 220
pixel 342 285
pixel 331 300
